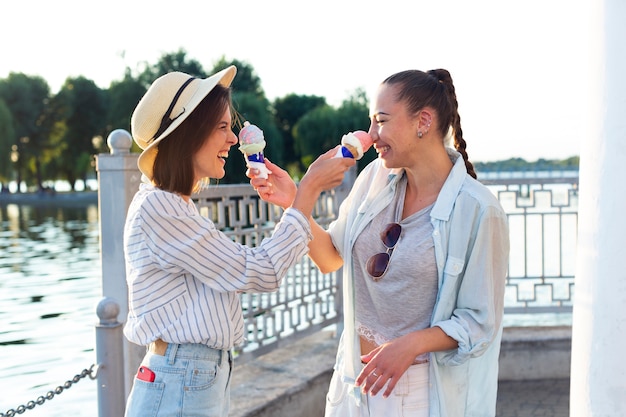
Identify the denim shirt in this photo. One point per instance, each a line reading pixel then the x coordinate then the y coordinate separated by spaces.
pixel 471 241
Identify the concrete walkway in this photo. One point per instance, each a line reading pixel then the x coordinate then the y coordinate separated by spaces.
pixel 297 376
pixel 533 398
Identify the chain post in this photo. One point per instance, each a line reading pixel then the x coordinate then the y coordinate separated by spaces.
pixel 109 345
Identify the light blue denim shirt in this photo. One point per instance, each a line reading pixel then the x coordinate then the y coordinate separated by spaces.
pixel 471 240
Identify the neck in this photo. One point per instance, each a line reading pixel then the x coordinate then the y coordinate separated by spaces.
pixel 424 182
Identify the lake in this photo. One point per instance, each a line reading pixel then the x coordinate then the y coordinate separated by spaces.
pixel 49 287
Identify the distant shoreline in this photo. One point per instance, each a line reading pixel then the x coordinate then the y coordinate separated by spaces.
pixel 56 198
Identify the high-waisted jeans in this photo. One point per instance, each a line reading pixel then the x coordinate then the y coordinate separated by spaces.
pixel 189 380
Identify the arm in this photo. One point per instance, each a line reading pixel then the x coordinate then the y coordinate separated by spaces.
pixel 472 293
pixel 322 250
pixel 280 189
pixel 323 174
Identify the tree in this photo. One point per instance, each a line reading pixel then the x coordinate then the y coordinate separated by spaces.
pixel 27 98
pixel 353 114
pixel 316 132
pixel 250 104
pixel 254 109
pixel 121 99
pixel 168 62
pixel 84 117
pixel 322 128
pixel 288 110
pixel 6 142
pixel 246 80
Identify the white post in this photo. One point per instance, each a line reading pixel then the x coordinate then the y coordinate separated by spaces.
pixel 598 374
pixel 118 181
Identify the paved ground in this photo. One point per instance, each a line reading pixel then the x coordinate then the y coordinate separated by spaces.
pixel 533 398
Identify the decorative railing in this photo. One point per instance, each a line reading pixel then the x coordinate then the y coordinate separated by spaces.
pixel 307 300
pixel 543 222
pixel 542 213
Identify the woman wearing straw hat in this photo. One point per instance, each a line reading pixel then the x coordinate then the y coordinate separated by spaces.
pixel 183 274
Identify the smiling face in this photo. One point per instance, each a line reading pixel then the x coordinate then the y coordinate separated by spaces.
pixel 394 132
pixel 197 147
pixel 209 160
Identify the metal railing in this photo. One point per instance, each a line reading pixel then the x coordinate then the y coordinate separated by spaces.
pixel 542 213
pixel 543 222
pixel 307 301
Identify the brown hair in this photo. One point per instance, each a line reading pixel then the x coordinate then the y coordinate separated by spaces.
pixel 434 89
pixel 173 165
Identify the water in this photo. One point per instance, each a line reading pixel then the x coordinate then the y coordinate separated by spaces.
pixel 50 275
pixel 49 287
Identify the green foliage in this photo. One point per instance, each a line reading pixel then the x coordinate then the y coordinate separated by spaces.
pixel 84 117
pixel 254 109
pixel 321 129
pixel 56 137
pixel 246 80
pixel 27 98
pixel 7 137
pixel 288 110
pixel 520 164
pixel 122 98
pixel 315 133
pixel 168 62
pixel 354 115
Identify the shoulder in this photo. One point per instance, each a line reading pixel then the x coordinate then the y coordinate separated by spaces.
pixel 475 202
pixel 480 192
pixel 152 199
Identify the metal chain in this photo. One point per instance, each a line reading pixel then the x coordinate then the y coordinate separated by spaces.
pixel 92 372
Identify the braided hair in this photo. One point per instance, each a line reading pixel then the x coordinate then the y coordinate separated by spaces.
pixel 433 89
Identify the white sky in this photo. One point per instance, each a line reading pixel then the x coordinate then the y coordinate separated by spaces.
pixel 519 67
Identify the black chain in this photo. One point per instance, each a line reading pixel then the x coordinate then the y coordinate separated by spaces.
pixel 50 395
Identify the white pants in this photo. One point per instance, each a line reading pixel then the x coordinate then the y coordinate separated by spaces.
pixel 408 399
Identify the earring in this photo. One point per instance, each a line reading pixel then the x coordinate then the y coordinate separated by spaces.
pixel 419 134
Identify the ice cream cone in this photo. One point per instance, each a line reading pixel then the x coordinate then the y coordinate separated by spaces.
pixel 252 144
pixel 354 145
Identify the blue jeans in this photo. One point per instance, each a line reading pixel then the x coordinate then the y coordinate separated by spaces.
pixel 189 380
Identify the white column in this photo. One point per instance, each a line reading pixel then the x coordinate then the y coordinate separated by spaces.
pixel 118 181
pixel 598 375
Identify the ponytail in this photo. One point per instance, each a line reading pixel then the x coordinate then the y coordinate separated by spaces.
pixel 443 77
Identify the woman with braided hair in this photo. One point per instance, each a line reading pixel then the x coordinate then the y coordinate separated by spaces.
pixel 424 249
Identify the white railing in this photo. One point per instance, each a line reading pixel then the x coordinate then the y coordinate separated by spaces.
pixel 543 221
pixel 307 300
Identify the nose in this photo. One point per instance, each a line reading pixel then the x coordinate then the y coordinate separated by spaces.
pixel 232 138
pixel 373 132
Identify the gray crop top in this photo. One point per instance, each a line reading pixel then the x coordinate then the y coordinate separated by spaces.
pixel 402 301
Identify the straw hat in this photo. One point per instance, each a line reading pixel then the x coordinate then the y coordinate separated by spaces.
pixel 167 103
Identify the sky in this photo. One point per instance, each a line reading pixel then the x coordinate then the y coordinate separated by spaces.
pixel 520 68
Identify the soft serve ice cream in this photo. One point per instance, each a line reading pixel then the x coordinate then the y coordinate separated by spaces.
pixel 252 144
pixel 354 145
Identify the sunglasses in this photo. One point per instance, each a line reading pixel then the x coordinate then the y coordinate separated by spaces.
pixel 377 264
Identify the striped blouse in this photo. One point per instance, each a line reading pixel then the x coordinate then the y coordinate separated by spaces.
pixel 184 276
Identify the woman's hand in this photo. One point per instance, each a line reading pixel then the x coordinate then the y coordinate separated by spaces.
pixel 385 365
pixel 277 189
pixel 389 361
pixel 323 174
pixel 326 172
